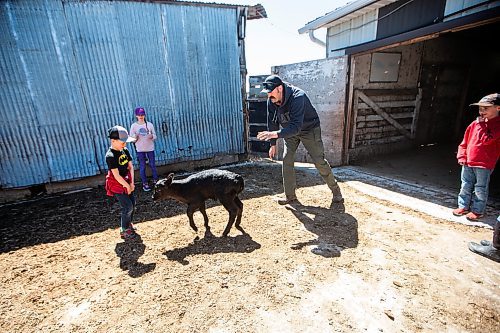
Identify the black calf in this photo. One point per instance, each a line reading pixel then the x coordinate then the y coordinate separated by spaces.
pixel 196 189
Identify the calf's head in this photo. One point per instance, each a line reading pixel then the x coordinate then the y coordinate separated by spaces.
pixel 161 190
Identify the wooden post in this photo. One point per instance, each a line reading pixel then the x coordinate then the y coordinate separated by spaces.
pixel 418 101
pixel 354 118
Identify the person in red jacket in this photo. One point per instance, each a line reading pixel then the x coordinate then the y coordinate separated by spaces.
pixel 477 154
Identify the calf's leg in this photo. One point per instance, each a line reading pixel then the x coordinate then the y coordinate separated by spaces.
pixel 238 203
pixel 204 213
pixel 190 211
pixel 232 208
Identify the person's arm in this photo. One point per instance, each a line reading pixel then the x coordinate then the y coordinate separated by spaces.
pixel 462 148
pixel 272 126
pixel 130 168
pixel 296 114
pixel 133 132
pixel 152 132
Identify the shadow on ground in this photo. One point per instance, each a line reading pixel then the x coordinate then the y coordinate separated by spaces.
pixel 211 245
pixel 53 218
pixel 335 229
pixel 129 253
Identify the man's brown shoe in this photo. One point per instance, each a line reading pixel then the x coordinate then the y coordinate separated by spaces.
pixel 286 201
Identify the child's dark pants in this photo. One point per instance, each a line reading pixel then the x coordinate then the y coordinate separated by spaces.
pixel 127 203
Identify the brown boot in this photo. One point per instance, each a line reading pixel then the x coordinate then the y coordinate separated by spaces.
pixel 337 195
pixel 284 200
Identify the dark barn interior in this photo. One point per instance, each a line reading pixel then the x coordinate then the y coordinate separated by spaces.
pixel 457 68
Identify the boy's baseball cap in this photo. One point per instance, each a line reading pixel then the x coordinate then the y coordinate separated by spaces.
pixel 140 111
pixel 119 133
pixel 489 100
pixel 270 83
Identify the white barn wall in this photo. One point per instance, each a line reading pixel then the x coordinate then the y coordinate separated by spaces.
pixel 358 30
pixel 324 81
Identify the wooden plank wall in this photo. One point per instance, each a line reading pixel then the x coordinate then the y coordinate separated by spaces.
pixel 372 129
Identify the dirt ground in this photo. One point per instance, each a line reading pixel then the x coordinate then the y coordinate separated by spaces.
pixel 367 265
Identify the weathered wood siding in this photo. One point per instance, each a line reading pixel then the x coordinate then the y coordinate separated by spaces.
pixel 393 125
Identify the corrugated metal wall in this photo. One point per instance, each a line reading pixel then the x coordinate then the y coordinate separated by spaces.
pixel 456 6
pixel 355 31
pixel 72 69
pixel 397 18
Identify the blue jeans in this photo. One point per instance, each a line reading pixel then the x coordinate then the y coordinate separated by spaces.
pixel 127 203
pixel 142 157
pixel 474 190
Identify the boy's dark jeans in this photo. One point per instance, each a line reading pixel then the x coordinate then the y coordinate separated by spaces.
pixel 127 203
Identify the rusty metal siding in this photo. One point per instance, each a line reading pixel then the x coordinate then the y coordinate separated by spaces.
pixel 72 69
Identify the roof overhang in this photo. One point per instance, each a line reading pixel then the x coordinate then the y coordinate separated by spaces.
pixel 254 12
pixel 466 22
pixel 342 14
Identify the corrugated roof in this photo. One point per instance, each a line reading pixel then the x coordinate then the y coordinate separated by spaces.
pixel 254 11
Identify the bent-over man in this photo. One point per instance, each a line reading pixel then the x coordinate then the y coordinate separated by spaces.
pixel 292 117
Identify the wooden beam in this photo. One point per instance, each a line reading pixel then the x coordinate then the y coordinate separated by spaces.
pixel 355 117
pixel 374 117
pixel 383 114
pixel 414 123
pixel 391 104
pixel 350 119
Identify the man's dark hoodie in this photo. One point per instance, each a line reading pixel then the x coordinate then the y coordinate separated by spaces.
pixel 295 115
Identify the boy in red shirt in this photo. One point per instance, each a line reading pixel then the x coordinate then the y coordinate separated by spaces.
pixel 478 154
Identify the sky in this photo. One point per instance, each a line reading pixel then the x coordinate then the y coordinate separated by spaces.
pixel 275 40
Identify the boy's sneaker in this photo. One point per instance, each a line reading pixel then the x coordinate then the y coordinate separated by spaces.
pixel 460 211
pixel 132 226
pixel 128 234
pixel 146 188
pixel 473 216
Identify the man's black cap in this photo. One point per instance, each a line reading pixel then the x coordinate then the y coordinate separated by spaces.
pixel 270 83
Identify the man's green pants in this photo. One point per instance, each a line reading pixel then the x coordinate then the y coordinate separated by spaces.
pixel 314 146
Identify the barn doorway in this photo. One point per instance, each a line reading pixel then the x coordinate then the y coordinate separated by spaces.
pixel 432 112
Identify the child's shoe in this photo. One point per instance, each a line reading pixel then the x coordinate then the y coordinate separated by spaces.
pixel 146 188
pixel 473 216
pixel 460 211
pixel 128 234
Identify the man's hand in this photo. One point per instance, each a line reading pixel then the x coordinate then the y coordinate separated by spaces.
pixel 272 152
pixel 267 135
